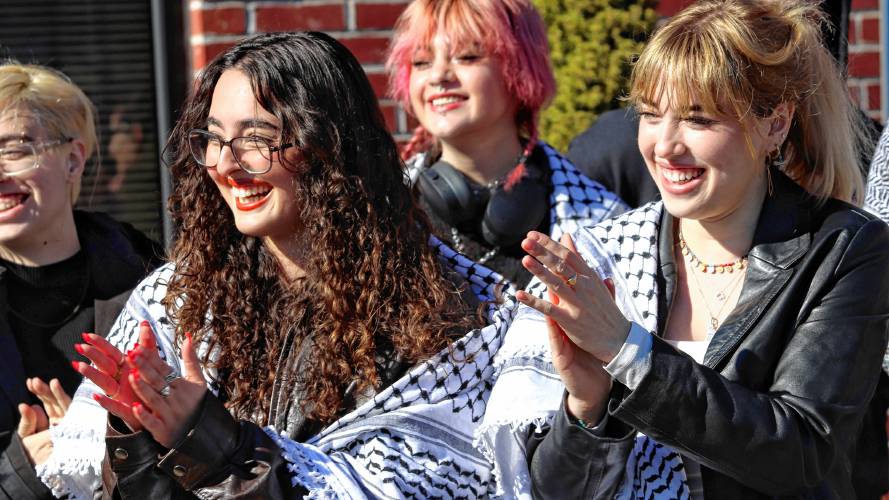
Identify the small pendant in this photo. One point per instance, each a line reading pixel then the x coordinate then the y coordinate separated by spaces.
pixel 720 296
pixel 714 324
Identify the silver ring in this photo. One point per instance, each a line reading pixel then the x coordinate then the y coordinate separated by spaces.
pixel 165 390
pixel 572 280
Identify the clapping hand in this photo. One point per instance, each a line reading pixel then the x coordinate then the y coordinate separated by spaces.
pixel 35 420
pixel 167 404
pixel 582 372
pixel 110 371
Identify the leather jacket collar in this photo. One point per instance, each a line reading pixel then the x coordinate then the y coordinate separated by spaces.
pixel 781 238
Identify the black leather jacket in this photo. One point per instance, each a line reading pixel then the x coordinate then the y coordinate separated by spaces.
pixel 784 404
pixel 119 256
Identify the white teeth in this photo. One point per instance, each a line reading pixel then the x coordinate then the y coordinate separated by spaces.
pixel 249 192
pixel 682 176
pixel 7 202
pixel 443 101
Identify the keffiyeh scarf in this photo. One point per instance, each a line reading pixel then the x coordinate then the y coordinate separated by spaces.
pixel 528 392
pixel 413 439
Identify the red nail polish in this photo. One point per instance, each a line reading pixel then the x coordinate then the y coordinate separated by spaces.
pixel 188 335
pixel 78 348
pixel 136 345
pixel 75 365
pixel 97 397
pixel 131 355
pixel 86 337
pixel 137 406
pixel 135 375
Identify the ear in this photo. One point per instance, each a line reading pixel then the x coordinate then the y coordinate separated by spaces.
pixel 76 160
pixel 779 124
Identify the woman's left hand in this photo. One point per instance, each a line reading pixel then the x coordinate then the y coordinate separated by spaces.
pixel 167 417
pixel 586 311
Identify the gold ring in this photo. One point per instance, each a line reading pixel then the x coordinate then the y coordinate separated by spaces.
pixel 572 280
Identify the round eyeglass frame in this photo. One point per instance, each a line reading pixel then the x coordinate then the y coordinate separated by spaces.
pixel 230 143
pixel 36 149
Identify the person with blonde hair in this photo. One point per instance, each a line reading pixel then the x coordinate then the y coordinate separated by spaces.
pixel 476 75
pixel 735 350
pixel 61 270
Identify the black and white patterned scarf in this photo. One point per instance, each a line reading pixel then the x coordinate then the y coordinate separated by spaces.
pixel 412 440
pixel 528 391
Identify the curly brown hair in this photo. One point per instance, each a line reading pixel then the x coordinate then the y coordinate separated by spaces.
pixel 372 280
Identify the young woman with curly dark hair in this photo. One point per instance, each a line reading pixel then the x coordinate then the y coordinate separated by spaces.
pixel 305 276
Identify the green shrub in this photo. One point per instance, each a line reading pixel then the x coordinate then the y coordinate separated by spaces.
pixel 591 42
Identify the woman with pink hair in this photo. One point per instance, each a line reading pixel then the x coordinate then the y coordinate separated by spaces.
pixel 475 74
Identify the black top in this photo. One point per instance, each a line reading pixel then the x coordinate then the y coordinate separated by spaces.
pixel 507 260
pixel 608 152
pixel 48 308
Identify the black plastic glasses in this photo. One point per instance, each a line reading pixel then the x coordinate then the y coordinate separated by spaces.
pixel 253 154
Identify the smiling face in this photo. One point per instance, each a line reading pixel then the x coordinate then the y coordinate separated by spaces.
pixel 458 93
pixel 264 205
pixel 704 165
pixel 35 206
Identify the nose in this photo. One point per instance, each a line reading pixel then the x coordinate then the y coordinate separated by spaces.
pixel 669 140
pixel 441 71
pixel 227 165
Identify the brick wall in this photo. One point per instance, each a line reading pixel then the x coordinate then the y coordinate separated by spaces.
pixel 864 51
pixel 365 27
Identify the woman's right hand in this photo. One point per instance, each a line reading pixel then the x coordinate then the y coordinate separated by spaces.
pixel 110 370
pixel 585 379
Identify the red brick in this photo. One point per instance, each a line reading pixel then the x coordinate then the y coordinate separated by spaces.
pixel 390 115
pixel 300 17
pixel 380 83
pixel 368 49
pixel 203 53
pixel 864 64
pixel 412 123
pixel 378 15
pixel 870 30
pixel 221 20
pixel 853 31
pixel 873 97
pixel 865 4
pixel 666 8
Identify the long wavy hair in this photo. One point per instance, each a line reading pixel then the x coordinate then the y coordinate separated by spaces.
pixel 372 281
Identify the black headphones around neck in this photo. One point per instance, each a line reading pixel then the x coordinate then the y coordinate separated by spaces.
pixel 502 217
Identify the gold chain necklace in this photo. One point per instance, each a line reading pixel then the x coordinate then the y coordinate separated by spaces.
pixel 697 265
pixel 721 296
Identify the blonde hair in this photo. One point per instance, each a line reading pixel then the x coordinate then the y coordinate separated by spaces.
pixel 743 58
pixel 61 106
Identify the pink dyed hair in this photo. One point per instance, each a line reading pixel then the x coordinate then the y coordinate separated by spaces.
pixel 511 30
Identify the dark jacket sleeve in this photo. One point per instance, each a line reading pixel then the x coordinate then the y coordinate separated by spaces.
pixel 219 458
pixel 18 479
pixel 792 433
pixel 567 461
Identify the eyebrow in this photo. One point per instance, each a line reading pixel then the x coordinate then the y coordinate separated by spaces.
pixel 251 123
pixel 15 137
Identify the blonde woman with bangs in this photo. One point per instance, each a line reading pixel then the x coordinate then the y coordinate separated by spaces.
pixel 62 271
pixel 734 348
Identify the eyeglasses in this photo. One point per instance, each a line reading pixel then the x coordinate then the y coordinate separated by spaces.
pixel 253 154
pixel 22 157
